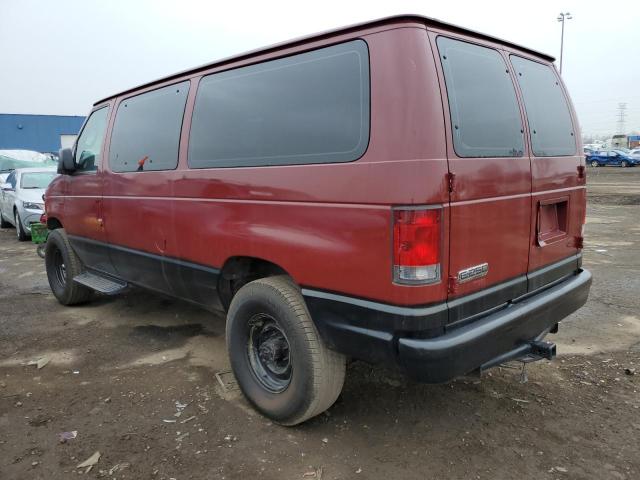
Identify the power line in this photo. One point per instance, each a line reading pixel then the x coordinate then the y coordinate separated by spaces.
pixel 622 113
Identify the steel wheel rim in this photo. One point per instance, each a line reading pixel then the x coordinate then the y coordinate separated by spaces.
pixel 59 268
pixel 269 353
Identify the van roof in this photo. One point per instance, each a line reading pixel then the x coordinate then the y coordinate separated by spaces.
pixel 432 22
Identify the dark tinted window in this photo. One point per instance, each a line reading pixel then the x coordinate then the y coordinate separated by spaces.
pixel 484 110
pixel 307 108
pixel 89 144
pixel 146 133
pixel 548 114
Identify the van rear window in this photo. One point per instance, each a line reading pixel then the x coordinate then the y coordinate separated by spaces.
pixel 146 133
pixel 306 108
pixel 548 114
pixel 484 110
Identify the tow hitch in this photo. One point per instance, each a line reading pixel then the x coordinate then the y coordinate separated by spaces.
pixel 543 349
pixel 525 353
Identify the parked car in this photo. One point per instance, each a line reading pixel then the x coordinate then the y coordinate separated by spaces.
pixel 344 195
pixel 635 152
pixel 12 159
pixel 612 158
pixel 21 203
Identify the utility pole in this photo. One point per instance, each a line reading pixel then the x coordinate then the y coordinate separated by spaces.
pixel 561 18
pixel 622 107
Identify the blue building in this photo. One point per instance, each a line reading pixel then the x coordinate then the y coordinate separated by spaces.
pixel 42 133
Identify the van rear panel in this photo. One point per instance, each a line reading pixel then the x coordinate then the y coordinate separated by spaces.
pixel 517 198
pixel 558 183
pixel 490 171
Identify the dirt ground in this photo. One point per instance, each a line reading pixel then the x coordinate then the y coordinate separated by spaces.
pixel 134 375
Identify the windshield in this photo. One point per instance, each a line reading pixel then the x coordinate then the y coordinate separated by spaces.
pixel 12 159
pixel 37 179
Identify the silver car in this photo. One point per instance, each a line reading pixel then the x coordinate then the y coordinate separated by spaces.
pixel 21 201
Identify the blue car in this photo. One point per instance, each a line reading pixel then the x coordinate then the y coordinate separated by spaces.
pixel 612 158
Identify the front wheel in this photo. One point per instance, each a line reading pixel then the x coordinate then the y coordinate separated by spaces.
pixel 595 164
pixel 62 266
pixel 624 164
pixel 22 235
pixel 279 360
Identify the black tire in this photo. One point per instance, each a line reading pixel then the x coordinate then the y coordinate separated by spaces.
pixel 22 235
pixel 594 164
pixel 63 265
pixel 624 164
pixel 3 222
pixel 315 374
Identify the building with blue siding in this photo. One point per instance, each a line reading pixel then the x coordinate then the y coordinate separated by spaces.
pixel 41 133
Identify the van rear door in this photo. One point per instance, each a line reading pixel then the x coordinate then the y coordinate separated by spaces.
pixel 558 177
pixel 490 177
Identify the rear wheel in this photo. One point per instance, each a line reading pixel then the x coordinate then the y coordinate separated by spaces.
pixel 595 164
pixel 279 360
pixel 22 235
pixel 62 266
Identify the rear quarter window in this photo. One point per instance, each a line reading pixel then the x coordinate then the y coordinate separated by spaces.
pixel 550 124
pixel 146 133
pixel 307 108
pixel 485 116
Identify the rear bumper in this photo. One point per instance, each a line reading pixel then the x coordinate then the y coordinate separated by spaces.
pixel 467 348
pixel 429 348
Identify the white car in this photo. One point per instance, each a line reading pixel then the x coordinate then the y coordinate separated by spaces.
pixel 12 159
pixel 21 202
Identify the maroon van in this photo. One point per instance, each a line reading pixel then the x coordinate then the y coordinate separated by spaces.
pixel 403 192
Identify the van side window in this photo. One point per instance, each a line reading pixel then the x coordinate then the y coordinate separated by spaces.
pixel 306 108
pixel 485 116
pixel 89 145
pixel 146 133
pixel 548 114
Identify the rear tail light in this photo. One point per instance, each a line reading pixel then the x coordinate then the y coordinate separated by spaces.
pixel 417 239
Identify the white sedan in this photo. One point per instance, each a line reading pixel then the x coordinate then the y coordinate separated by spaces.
pixel 21 202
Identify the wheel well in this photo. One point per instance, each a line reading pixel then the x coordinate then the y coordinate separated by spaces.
pixel 238 271
pixel 53 223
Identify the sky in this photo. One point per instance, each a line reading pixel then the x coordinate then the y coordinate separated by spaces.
pixel 59 57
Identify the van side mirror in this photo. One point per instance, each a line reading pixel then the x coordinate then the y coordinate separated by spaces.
pixel 65 161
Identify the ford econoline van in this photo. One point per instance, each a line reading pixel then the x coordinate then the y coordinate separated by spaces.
pixel 403 192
